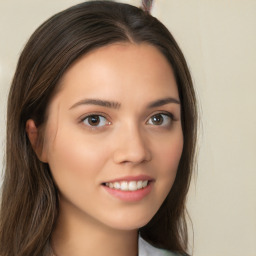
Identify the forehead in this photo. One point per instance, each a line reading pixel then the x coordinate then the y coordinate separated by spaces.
pixel 117 70
pixel 122 55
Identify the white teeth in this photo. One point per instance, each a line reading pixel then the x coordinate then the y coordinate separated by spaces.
pixel 117 185
pixel 139 184
pixel 124 185
pixel 132 185
pixel 144 183
pixel 128 186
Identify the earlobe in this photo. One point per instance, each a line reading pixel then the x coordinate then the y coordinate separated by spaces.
pixel 34 138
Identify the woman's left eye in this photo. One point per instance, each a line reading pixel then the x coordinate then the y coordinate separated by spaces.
pixel 95 121
pixel 160 119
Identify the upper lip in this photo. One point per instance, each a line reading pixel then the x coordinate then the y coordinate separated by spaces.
pixel 131 178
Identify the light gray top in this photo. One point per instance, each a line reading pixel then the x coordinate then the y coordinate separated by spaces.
pixel 146 249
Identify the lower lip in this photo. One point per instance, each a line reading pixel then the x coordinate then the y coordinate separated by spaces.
pixel 130 196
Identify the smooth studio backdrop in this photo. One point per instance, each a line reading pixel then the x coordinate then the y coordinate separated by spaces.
pixel 218 38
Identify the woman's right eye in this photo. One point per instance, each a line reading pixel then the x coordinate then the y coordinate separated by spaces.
pixel 95 121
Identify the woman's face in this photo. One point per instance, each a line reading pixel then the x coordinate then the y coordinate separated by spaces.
pixel 113 137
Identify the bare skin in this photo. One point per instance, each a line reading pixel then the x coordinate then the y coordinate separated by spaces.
pixel 116 117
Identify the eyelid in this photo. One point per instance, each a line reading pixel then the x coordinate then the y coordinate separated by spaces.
pixel 94 113
pixel 164 113
pixel 100 114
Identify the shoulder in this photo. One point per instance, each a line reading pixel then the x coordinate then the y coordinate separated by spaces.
pixel 146 249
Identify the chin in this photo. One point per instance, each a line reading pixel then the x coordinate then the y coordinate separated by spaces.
pixel 130 223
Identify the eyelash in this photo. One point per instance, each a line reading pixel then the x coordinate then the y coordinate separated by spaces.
pixel 97 115
pixel 164 115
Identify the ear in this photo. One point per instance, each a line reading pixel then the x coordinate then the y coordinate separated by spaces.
pixel 34 138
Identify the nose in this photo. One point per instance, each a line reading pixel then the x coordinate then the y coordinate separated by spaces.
pixel 132 147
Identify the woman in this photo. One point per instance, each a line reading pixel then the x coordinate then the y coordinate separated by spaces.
pixel 101 137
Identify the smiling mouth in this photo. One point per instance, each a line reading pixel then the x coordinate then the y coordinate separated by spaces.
pixel 127 185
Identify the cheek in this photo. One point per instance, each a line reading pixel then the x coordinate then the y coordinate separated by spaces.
pixel 74 160
pixel 169 153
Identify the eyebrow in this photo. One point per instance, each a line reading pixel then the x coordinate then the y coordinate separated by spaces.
pixel 117 105
pixel 103 103
pixel 161 102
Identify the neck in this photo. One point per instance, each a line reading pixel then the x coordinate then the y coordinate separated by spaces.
pixel 78 234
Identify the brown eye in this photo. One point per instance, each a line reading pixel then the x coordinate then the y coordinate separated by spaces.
pixel 157 119
pixel 95 120
pixel 161 119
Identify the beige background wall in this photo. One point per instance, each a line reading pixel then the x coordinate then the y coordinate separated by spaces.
pixel 218 38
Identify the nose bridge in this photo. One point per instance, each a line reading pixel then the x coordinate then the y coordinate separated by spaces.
pixel 132 145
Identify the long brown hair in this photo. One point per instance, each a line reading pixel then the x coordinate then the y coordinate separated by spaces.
pixel 29 205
